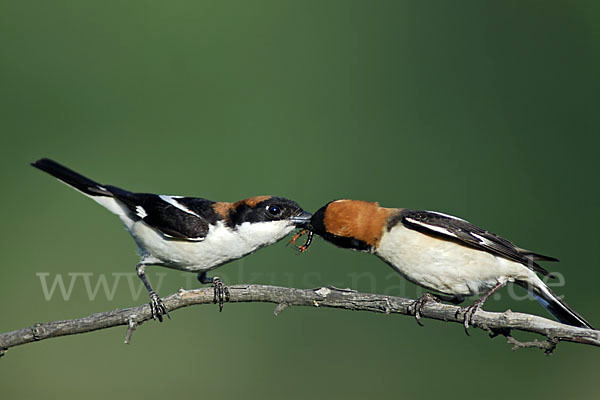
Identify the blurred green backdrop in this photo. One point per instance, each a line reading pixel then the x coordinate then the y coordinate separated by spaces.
pixel 486 110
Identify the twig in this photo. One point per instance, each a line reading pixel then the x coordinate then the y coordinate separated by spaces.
pixel 280 307
pixel 547 345
pixel 493 322
pixel 132 327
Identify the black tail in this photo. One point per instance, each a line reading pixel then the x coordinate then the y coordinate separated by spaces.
pixel 538 257
pixel 70 177
pixel 557 307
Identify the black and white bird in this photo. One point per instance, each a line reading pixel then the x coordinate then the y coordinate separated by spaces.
pixel 188 233
pixel 439 252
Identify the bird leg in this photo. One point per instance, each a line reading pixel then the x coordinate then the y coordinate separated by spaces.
pixel 157 307
pixel 221 292
pixel 477 304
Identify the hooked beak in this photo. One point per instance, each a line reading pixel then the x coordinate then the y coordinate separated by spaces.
pixel 302 220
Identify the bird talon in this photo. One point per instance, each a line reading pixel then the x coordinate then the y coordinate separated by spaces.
pixel 416 307
pixel 221 292
pixel 157 307
pixel 468 313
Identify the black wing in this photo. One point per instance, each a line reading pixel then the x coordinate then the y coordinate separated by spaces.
pixel 458 230
pixel 183 218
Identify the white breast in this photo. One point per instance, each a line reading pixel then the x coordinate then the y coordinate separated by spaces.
pixel 446 266
pixel 220 245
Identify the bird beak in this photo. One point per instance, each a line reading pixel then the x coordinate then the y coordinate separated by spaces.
pixel 302 220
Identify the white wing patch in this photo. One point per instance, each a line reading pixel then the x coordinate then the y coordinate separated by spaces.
pixel 172 201
pixel 481 238
pixel 140 212
pixel 436 228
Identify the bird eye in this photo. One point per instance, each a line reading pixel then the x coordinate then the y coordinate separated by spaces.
pixel 274 210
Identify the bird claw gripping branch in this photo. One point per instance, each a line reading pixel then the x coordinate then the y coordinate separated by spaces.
pixel 221 293
pixel 157 307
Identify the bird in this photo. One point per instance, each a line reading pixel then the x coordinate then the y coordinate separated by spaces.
pixel 439 252
pixel 188 233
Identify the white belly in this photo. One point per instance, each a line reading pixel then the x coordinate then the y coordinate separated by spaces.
pixel 446 266
pixel 220 245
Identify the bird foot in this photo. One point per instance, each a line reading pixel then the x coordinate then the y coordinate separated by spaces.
pixel 221 292
pixel 157 307
pixel 416 306
pixel 468 313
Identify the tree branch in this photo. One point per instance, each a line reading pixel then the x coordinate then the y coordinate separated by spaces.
pixel 493 322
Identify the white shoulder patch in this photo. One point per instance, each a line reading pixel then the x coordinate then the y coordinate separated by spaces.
pixel 172 200
pixel 140 212
pixel 436 228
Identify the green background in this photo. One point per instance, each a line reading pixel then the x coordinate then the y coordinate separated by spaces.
pixel 486 110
